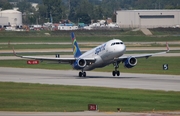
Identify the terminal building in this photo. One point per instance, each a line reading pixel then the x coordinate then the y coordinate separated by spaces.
pixel 148 18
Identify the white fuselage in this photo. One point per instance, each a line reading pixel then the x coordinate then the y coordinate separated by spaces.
pixel 104 54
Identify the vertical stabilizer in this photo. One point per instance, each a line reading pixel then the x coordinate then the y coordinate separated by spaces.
pixel 76 50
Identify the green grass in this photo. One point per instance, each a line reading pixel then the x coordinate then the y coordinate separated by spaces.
pixel 149 51
pixel 165 31
pixel 40 46
pixel 58 98
pixel 152 65
pixel 37 53
pixel 65 46
pixel 124 38
pixel 90 35
pixel 67 33
pixel 70 53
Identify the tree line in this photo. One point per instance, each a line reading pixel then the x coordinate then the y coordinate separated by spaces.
pixel 81 10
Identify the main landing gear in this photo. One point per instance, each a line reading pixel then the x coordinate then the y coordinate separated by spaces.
pixel 82 74
pixel 116 72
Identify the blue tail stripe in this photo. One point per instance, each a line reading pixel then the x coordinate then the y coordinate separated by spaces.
pixel 76 50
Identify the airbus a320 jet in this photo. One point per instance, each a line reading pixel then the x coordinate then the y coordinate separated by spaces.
pixel 110 52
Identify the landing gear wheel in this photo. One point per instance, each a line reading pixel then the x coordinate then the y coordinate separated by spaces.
pixel 84 74
pixel 80 74
pixel 118 73
pixel 113 73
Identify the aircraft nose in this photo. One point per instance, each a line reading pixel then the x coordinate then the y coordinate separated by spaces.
pixel 120 49
pixel 124 48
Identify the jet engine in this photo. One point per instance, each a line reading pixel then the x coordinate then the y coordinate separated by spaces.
pixel 79 64
pixel 130 62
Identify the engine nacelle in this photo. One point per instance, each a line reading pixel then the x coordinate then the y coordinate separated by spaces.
pixel 79 64
pixel 130 62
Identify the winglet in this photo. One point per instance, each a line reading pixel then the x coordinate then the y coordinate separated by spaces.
pixel 167 47
pixel 15 52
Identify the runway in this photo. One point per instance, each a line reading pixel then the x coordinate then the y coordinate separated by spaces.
pixel 98 79
pixel 87 113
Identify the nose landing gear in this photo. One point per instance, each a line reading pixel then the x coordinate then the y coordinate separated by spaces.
pixel 116 72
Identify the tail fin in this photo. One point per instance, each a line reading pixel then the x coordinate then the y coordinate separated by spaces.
pixel 76 50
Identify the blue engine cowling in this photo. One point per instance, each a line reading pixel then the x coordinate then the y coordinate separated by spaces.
pixel 79 64
pixel 130 62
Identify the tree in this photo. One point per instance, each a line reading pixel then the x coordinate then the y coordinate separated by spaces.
pixel 84 18
pixel 24 6
pixel 72 15
pixel 4 4
pixel 109 6
pixel 114 17
pixel 82 10
pixel 97 13
pixel 53 9
pixel 42 12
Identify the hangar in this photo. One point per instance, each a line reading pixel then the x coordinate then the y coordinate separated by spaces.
pixel 148 18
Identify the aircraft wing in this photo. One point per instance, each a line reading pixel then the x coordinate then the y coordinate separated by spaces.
pixel 58 60
pixel 143 55
pixel 138 56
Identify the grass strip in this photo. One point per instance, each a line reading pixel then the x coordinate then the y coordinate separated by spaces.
pixel 40 46
pixel 70 53
pixel 59 98
pixel 66 46
pixel 138 38
pixel 153 65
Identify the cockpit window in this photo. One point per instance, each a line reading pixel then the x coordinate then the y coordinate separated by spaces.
pixel 116 43
pixel 112 44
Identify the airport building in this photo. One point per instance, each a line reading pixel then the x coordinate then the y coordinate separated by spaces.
pixel 10 17
pixel 148 18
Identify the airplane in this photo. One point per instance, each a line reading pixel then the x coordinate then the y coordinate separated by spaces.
pixel 110 52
